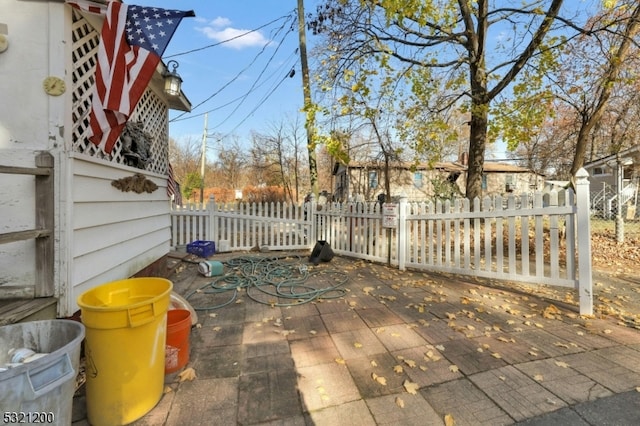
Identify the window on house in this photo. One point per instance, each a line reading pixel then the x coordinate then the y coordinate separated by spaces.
pixel 373 179
pixel 509 183
pixel 598 171
pixel 417 179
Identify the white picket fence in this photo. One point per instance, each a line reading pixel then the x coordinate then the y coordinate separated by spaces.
pixel 535 238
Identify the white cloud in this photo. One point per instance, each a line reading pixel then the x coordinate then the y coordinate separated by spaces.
pixel 221 22
pixel 220 30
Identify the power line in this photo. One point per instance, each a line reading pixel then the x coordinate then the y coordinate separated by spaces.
pixel 287 16
pixel 264 99
pixel 219 107
pixel 178 118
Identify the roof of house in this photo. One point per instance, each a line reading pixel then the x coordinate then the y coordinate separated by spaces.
pixel 627 156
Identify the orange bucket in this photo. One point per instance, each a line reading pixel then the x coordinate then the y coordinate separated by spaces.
pixel 177 347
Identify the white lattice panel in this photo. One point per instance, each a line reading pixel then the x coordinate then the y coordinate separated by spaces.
pixel 151 110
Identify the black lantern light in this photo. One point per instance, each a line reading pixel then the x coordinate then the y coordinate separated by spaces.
pixel 172 80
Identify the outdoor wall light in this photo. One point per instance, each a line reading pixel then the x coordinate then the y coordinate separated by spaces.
pixel 172 80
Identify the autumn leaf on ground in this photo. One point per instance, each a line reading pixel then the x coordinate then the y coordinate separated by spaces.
pixel 398 369
pixel 340 361
pixel 373 363
pixel 167 389
pixel 411 387
pixel 453 368
pixel 538 378
pixel 562 364
pixel 399 402
pixel 198 325
pixel 188 374
pixel 496 355
pixel 448 420
pixel 410 363
pixel 217 328
pixel 357 345
pixel 550 312
pixel 379 379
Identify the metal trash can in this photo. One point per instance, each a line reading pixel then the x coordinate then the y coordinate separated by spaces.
pixel 39 363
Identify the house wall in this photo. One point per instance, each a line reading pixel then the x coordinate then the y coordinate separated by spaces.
pixel 114 234
pixel 519 183
pixel 30 121
pixel 404 182
pixel 101 234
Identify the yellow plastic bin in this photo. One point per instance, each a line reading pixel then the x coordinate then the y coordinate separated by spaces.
pixel 125 332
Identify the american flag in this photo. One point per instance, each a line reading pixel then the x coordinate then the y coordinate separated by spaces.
pixel 132 41
pixel 173 188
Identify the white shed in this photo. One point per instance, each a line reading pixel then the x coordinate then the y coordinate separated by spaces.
pixel 64 227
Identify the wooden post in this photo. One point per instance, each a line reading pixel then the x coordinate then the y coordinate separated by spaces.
pixel 45 218
pixel 213 222
pixel 402 237
pixel 585 284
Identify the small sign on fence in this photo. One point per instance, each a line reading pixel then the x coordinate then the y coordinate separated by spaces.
pixel 389 215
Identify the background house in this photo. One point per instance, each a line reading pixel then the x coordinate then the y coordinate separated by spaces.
pixel 364 181
pixel 614 181
pixel 100 233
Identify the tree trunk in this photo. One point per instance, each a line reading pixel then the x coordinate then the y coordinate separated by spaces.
pixel 477 144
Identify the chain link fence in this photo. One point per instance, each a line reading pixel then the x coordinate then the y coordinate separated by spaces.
pixel 616 215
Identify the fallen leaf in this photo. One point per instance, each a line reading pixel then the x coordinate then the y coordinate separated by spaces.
pixel 217 328
pixel 373 363
pixel 198 325
pixel 167 389
pixel 399 402
pixel 340 361
pixel 538 377
pixel 453 368
pixel 411 387
pixel 410 363
pixel 496 355
pixel 379 379
pixel 357 345
pixel 187 374
pixel 562 364
pixel 448 420
pixel 398 369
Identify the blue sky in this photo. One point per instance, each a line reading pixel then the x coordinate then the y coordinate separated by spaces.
pixel 246 79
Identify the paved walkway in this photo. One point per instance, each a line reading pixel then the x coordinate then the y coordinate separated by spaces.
pixel 400 348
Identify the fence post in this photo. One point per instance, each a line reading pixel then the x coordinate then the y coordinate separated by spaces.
pixel 312 212
pixel 402 232
pixel 213 225
pixel 583 232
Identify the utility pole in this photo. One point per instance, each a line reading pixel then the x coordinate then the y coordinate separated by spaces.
pixel 203 158
pixel 308 107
